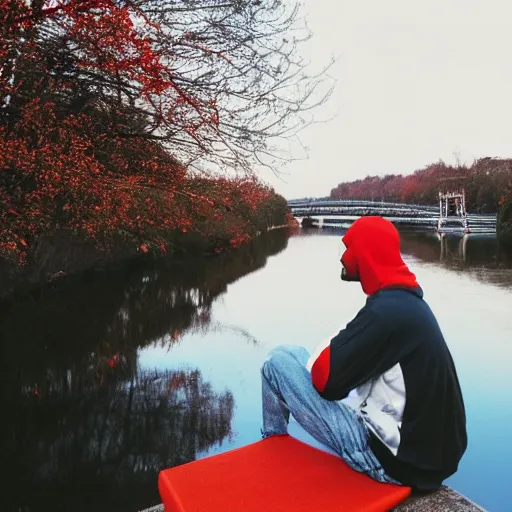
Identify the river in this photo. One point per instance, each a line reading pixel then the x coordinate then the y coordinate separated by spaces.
pixel 112 377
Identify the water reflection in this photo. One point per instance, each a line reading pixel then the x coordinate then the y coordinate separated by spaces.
pixel 85 427
pixel 480 256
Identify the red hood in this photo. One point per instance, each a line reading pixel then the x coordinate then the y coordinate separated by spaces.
pixel 373 253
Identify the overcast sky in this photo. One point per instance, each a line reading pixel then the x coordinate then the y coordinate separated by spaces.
pixel 416 82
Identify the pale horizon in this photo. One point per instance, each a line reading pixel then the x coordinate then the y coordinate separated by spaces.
pixel 415 85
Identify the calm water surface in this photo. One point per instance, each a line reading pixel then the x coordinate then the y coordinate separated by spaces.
pixel 108 380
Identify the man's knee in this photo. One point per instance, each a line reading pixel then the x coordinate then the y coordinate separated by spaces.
pixel 283 358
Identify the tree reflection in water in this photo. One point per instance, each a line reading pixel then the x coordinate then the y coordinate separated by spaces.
pixel 478 255
pixel 84 427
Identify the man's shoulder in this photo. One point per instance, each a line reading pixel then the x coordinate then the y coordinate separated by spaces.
pixel 397 294
pixel 393 301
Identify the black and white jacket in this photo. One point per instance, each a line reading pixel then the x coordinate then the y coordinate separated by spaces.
pixel 392 365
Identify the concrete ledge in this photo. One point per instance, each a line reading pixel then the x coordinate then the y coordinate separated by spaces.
pixel 156 508
pixel 444 500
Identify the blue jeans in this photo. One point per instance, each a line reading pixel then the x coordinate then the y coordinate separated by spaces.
pixel 287 388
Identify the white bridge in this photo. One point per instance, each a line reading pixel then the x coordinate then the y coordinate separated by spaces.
pixel 449 217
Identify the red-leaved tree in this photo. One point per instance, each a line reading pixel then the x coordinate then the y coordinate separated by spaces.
pixel 105 106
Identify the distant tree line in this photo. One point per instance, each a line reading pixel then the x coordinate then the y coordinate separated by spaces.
pixel 487 183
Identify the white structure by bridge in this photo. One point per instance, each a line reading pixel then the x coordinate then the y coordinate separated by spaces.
pixel 452 212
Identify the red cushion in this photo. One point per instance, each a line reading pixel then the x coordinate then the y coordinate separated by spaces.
pixel 277 474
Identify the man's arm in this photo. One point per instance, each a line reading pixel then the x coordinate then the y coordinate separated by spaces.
pixel 358 353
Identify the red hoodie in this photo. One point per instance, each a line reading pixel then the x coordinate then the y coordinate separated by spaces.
pixel 373 253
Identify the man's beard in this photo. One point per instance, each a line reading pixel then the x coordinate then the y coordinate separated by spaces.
pixel 345 276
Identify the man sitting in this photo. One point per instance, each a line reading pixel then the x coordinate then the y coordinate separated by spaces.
pixel 404 421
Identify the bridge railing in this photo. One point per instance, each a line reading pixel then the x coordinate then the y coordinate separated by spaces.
pixel 359 202
pixel 364 210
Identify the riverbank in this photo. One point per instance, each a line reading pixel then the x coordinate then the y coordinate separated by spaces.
pixel 66 256
pixel 504 223
pixel 68 208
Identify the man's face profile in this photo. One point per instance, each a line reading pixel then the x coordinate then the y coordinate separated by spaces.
pixel 345 276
